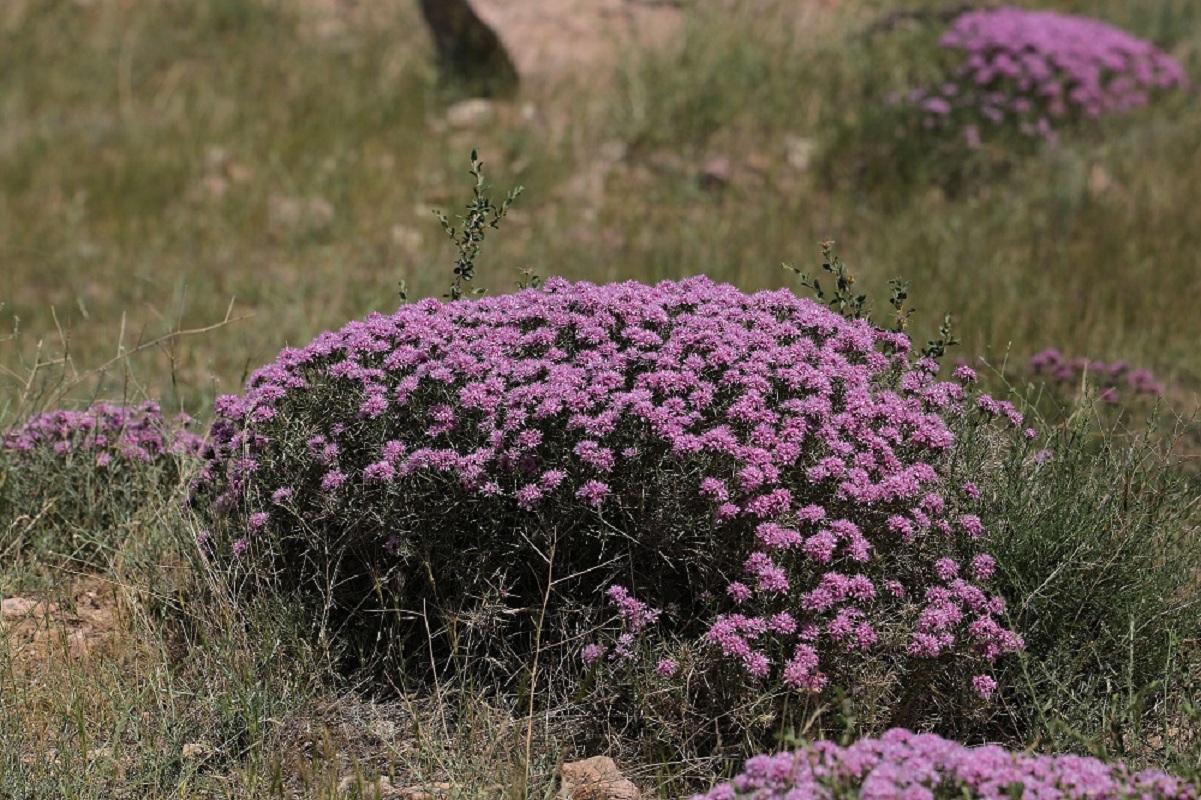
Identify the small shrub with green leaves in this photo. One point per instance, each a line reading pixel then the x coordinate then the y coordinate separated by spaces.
pixel 72 477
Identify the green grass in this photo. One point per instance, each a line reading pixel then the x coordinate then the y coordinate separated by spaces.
pixel 147 149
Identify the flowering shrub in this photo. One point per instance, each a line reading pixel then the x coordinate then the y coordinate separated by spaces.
pixel 104 433
pixel 1026 70
pixel 82 471
pixel 1110 379
pixel 760 469
pixel 901 764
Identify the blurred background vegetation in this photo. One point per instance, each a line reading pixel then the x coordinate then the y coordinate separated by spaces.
pixel 161 161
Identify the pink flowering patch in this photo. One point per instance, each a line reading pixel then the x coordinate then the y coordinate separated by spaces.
pixel 902 764
pixel 1113 381
pixel 1029 70
pixel 754 463
pixel 105 432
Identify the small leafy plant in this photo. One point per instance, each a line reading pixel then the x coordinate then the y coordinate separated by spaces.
pixel 481 214
pixel 856 306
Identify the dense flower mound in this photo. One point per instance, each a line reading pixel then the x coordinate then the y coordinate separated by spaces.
pixel 1026 69
pixel 764 471
pixel 1110 378
pixel 104 433
pixel 71 480
pixel 912 766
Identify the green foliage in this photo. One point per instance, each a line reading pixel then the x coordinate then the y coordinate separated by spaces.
pixel 1094 535
pixel 65 510
pixel 856 306
pixel 481 214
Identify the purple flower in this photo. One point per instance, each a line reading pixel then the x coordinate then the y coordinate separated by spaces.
pixel 552 478
pixel 984 686
pixel 529 496
pixel 972 525
pixel 104 432
pixel 591 653
pixel 634 613
pixel 332 480
pixel 946 569
pixel 379 472
pixel 593 492
pixel 715 488
pixel 903 764
pixel 666 668
pixel 983 567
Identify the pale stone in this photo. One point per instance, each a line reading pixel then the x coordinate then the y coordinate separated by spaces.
pixel 595 778
pixel 473 113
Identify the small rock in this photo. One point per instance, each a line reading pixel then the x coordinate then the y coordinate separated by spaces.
pixel 434 791
pixel 192 750
pixel 799 151
pixel 759 163
pixel 78 644
pixel 715 174
pixel 239 173
pixel 105 753
pixel 299 213
pixel 595 778
pixel 666 161
pixel 214 186
pixel 408 239
pixel 15 608
pixel 215 159
pixel 473 113
pixel 1099 181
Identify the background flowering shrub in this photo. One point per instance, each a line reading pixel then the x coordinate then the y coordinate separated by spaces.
pixel 757 475
pixel 980 94
pixel 1028 70
pixel 1111 380
pixel 902 764
pixel 75 475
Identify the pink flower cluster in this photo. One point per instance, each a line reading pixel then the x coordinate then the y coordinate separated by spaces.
pixel 811 442
pixel 1027 68
pixel 1110 379
pixel 104 432
pixel 901 764
pixel 635 616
